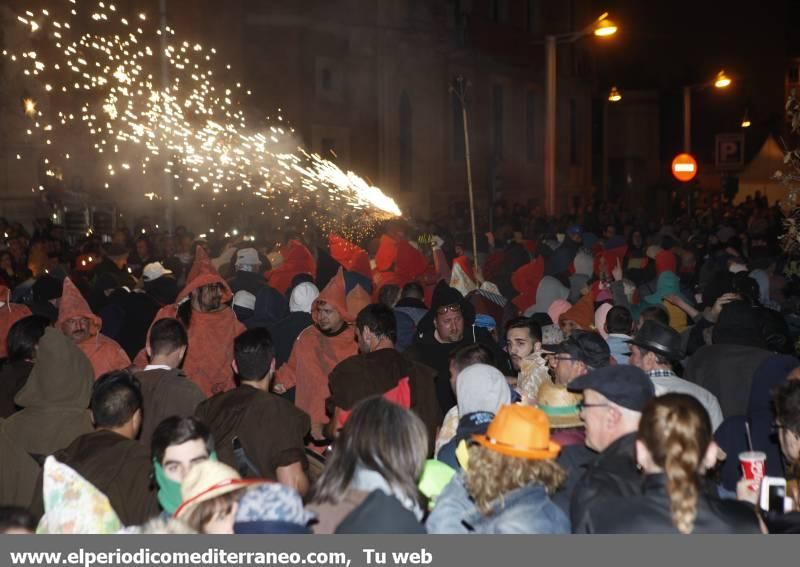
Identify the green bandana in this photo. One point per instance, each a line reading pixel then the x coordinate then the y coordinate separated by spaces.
pixel 169 491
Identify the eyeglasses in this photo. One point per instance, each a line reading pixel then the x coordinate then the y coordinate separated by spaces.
pixel 455 308
pixel 583 405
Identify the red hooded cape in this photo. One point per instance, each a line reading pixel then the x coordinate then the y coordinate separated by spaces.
pixel 296 260
pixel 526 281
pixel 350 256
pixel 10 313
pixel 397 262
pixel 210 353
pixel 104 353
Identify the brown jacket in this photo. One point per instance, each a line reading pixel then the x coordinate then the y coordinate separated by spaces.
pixel 118 467
pixel 165 393
pixel 55 402
pixel 375 373
pixel 270 429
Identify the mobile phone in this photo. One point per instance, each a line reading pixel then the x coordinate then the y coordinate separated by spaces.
pixel 773 494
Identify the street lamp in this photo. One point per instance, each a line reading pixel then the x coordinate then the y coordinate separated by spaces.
pixel 601 27
pixel 721 81
pixel 614 95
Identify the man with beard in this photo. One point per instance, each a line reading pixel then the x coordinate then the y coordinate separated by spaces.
pixel 77 321
pixel 523 344
pixel 448 326
pixel 381 370
pixel 210 323
pixel 319 348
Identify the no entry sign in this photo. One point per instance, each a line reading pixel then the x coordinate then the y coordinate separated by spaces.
pixel 684 167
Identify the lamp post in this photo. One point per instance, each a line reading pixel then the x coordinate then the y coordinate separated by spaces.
pixel 602 27
pixel 721 81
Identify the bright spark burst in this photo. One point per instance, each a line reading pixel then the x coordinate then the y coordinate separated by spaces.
pixel 193 129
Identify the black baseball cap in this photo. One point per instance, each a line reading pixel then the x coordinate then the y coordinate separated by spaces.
pixel 622 384
pixel 586 346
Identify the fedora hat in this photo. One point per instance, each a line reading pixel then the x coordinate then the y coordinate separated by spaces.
pixel 520 431
pixel 206 481
pixel 560 405
pixel 658 338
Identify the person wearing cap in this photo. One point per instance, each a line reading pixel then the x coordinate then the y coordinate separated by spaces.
pixel 271 508
pixel 563 409
pixel 508 480
pixel 159 283
pixel 258 433
pixel 381 370
pixel 654 349
pixel 726 367
pixel 110 457
pixel 583 352
pixel 675 449
pixel 319 348
pixel 613 400
pixel 211 493
pixel 78 322
pixel 248 276
pixel 210 324
pixel 166 390
pixel 243 305
pixel 448 326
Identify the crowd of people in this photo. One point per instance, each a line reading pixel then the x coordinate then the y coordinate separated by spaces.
pixel 598 373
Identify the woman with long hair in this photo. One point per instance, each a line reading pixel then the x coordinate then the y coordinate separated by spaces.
pixel 674 448
pixel 382 447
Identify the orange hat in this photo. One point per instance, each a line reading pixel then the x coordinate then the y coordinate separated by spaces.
pixel 582 312
pixel 73 305
pixel 334 294
pixel 203 273
pixel 520 431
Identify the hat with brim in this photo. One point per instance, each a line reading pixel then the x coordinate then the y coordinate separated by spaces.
pixel 520 431
pixel 658 338
pixel 559 405
pixel 208 480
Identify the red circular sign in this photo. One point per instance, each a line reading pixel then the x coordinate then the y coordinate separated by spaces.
pixel 684 167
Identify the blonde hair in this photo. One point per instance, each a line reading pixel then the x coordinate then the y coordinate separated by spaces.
pixel 676 430
pixel 491 475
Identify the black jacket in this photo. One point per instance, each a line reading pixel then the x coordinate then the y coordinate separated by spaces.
pixel 613 473
pixel 649 513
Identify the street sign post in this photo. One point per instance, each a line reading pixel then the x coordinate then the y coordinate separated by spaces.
pixel 684 167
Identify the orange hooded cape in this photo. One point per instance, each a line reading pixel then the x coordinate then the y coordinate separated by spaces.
pixel 296 260
pixel 582 313
pixel 526 281
pixel 350 256
pixel 104 353
pixel 315 354
pixel 210 353
pixel 10 313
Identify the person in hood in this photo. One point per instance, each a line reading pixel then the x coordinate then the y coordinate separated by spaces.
pixel 23 338
pixel 285 331
pixel 381 370
pixel 77 321
pixel 210 323
pixel 396 260
pixel 448 326
pixel 166 390
pixel 319 348
pixel 10 313
pixel 54 412
pixel 258 433
pixel 297 259
pixel 412 302
pixel 110 458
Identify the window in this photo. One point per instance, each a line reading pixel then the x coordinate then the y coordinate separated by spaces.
pixel 497 117
pixel 499 11
pixel 327 148
pixel 530 126
pixel 406 144
pixel 458 127
pixel 574 155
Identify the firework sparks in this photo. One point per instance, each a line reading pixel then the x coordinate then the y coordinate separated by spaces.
pixel 193 128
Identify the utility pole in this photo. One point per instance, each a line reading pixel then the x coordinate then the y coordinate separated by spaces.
pixel 460 91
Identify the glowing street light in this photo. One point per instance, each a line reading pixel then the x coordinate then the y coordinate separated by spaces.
pixel 745 120
pixel 604 27
pixel 614 95
pixel 722 81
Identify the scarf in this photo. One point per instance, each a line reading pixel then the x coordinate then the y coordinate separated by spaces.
pixel 368 480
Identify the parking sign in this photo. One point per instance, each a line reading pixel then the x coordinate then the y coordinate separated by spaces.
pixel 730 151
